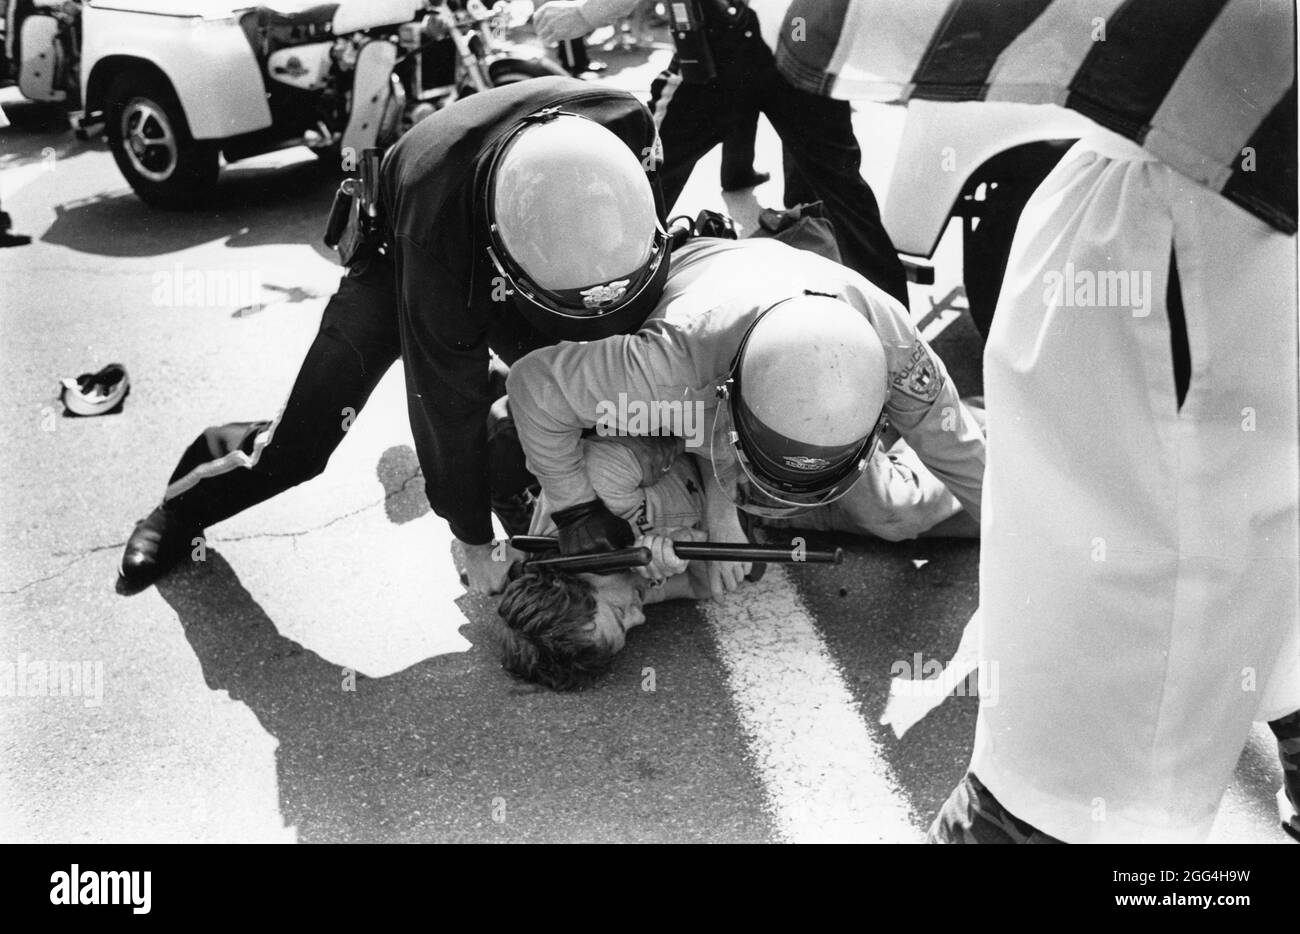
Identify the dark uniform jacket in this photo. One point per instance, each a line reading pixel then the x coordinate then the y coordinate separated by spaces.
pixel 447 316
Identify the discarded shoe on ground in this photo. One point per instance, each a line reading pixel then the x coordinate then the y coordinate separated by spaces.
pixel 96 393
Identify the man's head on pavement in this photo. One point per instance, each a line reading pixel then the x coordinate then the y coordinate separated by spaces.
pixel 574 228
pixel 562 629
pixel 802 404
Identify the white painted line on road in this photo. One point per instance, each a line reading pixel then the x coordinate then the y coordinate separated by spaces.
pixel 825 774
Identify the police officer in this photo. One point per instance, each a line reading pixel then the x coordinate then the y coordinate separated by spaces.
pixel 696 111
pixel 788 358
pixel 513 218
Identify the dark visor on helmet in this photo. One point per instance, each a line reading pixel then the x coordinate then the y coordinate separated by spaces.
pixel 595 301
pixel 768 494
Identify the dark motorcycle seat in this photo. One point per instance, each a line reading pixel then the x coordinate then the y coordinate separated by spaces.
pixel 296 14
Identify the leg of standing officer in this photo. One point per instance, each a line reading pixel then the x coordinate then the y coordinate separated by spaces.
pixel 738 172
pixel 817 133
pixel 232 467
pixel 691 119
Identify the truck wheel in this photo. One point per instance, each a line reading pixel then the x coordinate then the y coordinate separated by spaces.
pixel 1010 178
pixel 151 143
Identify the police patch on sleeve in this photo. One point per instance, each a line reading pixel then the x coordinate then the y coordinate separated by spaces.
pixel 920 377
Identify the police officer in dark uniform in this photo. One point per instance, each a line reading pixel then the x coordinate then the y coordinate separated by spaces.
pixel 724 71
pixel 512 219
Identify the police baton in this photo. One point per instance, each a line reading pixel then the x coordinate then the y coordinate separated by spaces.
pixel 691 551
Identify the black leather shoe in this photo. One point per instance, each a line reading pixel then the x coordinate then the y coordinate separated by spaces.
pixel 752 180
pixel 160 541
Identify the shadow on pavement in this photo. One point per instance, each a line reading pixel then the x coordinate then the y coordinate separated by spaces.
pixel 40 132
pixel 359 764
pixel 399 473
pixel 431 753
pixel 252 206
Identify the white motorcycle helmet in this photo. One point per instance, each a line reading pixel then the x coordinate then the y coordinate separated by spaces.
pixel 802 409
pixel 573 227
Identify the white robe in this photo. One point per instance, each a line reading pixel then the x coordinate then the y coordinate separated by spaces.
pixel 1140 564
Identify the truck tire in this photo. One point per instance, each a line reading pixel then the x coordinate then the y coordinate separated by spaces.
pixel 1010 178
pixel 151 142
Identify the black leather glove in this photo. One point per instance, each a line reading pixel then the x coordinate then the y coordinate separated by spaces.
pixel 590 527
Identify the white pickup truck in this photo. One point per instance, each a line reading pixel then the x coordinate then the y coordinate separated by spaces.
pixel 179 84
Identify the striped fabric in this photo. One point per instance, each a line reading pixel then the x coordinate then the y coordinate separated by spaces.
pixel 1208 86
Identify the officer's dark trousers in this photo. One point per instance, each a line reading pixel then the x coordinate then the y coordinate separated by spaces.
pixel 817 133
pixel 231 467
pixel 738 154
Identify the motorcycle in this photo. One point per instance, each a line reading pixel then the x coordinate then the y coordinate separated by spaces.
pixel 460 48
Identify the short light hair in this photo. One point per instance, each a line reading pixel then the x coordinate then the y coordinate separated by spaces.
pixel 549 636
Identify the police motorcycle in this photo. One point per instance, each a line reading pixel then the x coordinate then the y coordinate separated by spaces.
pixel 179 85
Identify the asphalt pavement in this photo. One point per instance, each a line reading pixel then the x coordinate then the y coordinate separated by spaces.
pixel 321 675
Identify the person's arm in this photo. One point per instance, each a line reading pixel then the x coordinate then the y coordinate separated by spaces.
pixel 556 392
pixel 923 403
pixel 722 523
pixel 616 477
pixel 945 436
pixel 558 20
pixel 688 583
pixel 900 500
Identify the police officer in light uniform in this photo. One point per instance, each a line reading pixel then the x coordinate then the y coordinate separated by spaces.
pixel 695 113
pixel 796 436
pixel 511 219
pixel 808 384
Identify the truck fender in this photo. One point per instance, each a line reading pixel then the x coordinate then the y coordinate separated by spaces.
pixel 943 144
pixel 209 64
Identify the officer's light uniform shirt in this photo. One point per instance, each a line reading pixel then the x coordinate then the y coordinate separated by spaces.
pixel 715 291
pixel 1139 563
pixel 896 499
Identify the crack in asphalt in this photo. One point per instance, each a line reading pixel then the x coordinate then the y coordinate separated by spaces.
pixel 85 553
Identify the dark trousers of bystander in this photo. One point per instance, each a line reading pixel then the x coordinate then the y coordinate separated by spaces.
pixel 816 133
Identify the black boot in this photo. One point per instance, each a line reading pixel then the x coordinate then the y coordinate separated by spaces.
pixel 8 238
pixel 160 541
pixel 752 179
